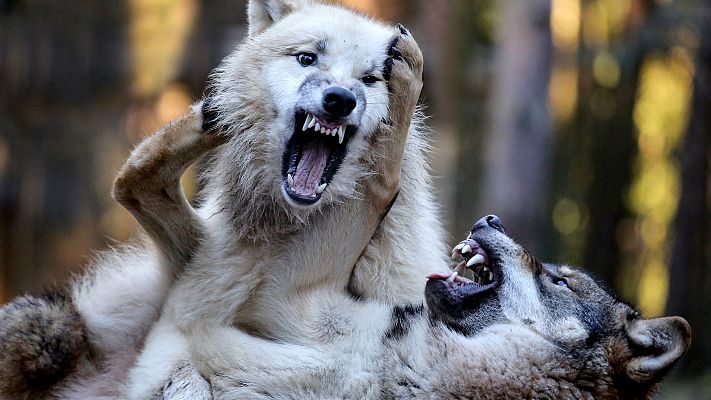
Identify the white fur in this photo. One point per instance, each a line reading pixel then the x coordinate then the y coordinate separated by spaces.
pixel 261 255
pixel 121 296
pixel 153 370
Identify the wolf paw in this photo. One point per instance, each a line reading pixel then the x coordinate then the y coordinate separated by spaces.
pixel 404 72
pixel 186 383
pixel 41 340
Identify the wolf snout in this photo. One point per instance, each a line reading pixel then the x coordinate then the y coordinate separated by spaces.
pixel 338 101
pixel 489 221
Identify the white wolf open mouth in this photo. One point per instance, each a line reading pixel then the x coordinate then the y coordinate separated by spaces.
pixel 313 155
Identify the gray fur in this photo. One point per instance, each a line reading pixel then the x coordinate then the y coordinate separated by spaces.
pixel 581 343
pixel 185 384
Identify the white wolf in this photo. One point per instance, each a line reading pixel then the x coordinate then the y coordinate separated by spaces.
pixel 316 132
pixel 518 329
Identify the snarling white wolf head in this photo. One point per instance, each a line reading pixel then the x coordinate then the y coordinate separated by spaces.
pixel 301 98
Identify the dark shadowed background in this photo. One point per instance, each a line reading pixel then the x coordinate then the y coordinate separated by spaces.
pixel 584 124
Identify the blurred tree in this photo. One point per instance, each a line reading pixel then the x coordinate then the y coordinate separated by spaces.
pixel 441 42
pixel 595 149
pixel 469 72
pixel 690 263
pixel 61 81
pixel 516 148
pixel 79 83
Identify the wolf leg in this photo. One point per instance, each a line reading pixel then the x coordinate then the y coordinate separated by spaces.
pixel 383 271
pixel 404 67
pixel 380 190
pixel 187 384
pixel 165 370
pixel 148 184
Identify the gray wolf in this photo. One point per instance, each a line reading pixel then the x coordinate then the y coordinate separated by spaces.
pixel 516 328
pixel 315 131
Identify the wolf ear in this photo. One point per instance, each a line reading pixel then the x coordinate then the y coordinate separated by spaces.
pixel 656 345
pixel 263 13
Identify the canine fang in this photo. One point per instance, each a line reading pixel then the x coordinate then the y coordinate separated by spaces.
pixel 477 259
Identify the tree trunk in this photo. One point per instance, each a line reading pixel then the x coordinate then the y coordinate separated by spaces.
pixel 517 149
pixel 595 151
pixel 690 264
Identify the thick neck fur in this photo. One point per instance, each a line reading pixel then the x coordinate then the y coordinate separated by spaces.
pixel 504 361
pixel 275 240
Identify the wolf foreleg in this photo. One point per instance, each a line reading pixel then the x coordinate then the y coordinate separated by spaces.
pixel 148 185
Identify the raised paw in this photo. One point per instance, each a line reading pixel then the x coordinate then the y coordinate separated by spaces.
pixel 148 184
pixel 404 67
pixel 407 50
pixel 186 383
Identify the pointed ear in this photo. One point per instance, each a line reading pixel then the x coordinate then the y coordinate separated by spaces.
pixel 656 345
pixel 263 13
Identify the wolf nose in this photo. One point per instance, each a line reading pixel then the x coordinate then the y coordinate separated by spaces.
pixel 339 101
pixel 490 220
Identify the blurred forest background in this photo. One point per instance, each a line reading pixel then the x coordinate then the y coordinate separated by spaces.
pixel 584 124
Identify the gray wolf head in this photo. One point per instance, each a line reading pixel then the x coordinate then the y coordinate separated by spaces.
pixel 502 283
pixel 301 97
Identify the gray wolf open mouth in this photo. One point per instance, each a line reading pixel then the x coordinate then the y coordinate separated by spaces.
pixel 473 277
pixel 313 155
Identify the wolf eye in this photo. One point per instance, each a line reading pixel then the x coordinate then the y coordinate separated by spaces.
pixel 559 281
pixel 370 79
pixel 306 59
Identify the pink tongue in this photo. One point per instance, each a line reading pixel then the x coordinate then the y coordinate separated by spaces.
pixel 314 155
pixel 439 275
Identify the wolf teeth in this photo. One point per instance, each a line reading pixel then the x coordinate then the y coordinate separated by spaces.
pixel 451 277
pixel 307 124
pixel 313 122
pixel 290 179
pixel 477 259
pixel 321 188
pixel 456 249
pixel 460 268
pixel 466 249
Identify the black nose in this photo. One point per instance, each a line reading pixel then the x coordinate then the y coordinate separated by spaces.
pixel 490 220
pixel 339 101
